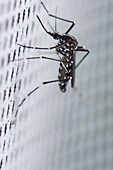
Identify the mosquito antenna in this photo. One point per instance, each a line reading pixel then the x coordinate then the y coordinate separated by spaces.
pixel 51 26
pixel 55 19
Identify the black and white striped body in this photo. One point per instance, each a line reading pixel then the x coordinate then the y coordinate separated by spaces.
pixel 67 67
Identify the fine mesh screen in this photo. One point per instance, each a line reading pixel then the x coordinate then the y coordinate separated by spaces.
pixel 55 130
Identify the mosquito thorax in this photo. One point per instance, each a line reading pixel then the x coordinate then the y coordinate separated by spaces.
pixel 68 39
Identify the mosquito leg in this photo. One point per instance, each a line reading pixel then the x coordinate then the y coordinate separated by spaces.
pixel 82 49
pixel 63 62
pixel 42 57
pixel 72 22
pixel 39 48
pixel 43 25
pixel 44 83
pixel 42 48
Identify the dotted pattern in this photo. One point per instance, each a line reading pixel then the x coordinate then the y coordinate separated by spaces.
pixel 16 25
pixel 55 130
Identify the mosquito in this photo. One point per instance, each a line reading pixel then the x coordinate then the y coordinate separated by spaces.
pixel 66 49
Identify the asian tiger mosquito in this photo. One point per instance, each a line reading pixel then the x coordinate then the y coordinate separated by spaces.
pixel 66 49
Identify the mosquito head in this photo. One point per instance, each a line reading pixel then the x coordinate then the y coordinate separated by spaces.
pixel 55 35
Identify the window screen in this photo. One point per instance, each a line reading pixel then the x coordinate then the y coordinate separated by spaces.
pixel 55 130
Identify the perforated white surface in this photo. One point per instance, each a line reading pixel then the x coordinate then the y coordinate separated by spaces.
pixel 55 130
